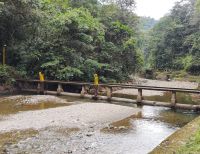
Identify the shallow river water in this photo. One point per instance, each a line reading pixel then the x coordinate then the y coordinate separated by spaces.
pixel 148 130
pixel 136 134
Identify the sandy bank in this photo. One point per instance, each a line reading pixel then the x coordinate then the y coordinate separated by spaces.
pixel 173 84
pixel 81 116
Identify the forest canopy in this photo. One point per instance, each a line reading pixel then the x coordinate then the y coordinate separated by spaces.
pixel 174 42
pixel 71 39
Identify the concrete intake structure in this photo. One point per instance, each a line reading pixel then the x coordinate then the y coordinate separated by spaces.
pixel 42 88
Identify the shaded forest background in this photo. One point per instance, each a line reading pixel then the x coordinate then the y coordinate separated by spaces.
pixel 174 42
pixel 73 39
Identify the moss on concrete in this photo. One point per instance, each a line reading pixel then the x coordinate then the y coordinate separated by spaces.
pixel 193 145
pixel 186 140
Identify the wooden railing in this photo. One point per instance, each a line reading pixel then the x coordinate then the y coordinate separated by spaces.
pixel 109 90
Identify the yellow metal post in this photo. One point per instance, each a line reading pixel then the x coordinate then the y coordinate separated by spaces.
pixel 41 76
pixel 96 80
pixel 4 54
pixel 96 85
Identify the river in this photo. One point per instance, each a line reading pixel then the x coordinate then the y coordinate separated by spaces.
pixel 139 133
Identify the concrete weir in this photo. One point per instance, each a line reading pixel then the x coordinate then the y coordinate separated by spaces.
pixel 40 89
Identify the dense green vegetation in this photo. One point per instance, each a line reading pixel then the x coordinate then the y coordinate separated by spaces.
pixel 192 146
pixel 71 39
pixel 174 42
pixel 147 23
pixel 8 75
pixel 191 143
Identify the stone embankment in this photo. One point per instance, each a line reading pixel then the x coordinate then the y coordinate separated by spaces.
pixel 177 141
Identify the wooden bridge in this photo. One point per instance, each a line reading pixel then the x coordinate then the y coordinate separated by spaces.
pixel 42 88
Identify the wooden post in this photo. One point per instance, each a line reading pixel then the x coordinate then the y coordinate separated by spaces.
pixel 139 97
pixel 83 91
pixel 173 99
pixel 109 93
pixel 19 85
pixel 59 89
pixel 96 91
pixel 40 88
pixel 45 88
pixel 25 85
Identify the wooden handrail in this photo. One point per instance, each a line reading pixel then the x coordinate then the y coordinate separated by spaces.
pixel 131 86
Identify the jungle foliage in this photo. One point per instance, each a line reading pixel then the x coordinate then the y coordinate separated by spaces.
pixel 71 39
pixel 174 42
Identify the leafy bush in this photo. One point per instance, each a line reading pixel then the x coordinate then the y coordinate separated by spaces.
pixel 194 69
pixel 69 73
pixel 8 75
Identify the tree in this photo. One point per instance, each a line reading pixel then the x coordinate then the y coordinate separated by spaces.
pixel 174 39
pixel 71 40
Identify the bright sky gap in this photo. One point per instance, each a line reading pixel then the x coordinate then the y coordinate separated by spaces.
pixel 154 8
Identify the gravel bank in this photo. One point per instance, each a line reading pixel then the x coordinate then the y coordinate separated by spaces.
pixel 33 99
pixel 157 83
pixel 173 84
pixel 76 116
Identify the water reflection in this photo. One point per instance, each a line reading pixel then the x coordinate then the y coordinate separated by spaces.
pixel 146 131
pixel 176 118
pixel 14 105
pixel 183 98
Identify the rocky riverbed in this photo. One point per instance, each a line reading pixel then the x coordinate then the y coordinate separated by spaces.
pixel 78 116
pixel 63 129
pixel 80 126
